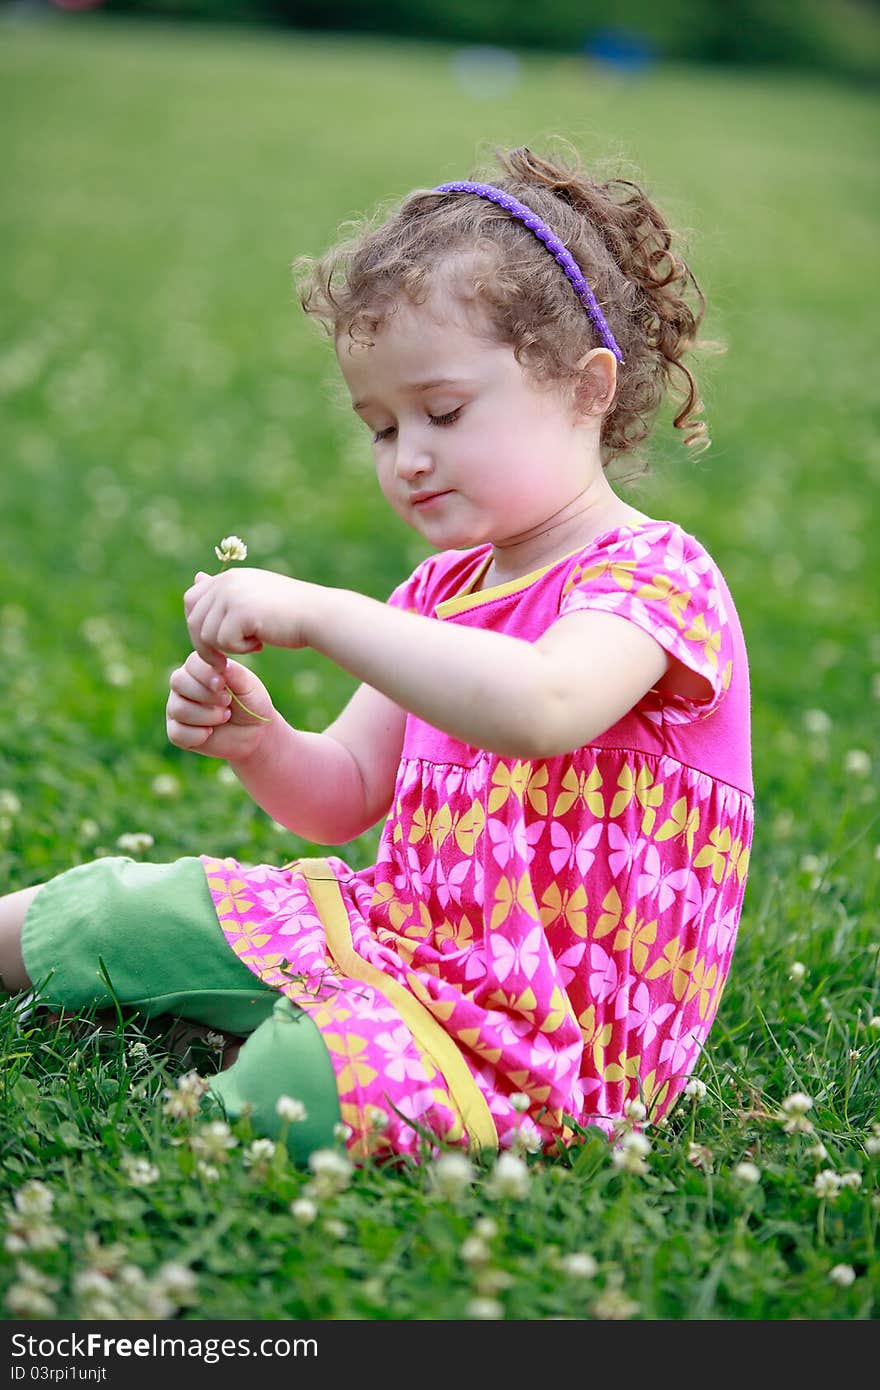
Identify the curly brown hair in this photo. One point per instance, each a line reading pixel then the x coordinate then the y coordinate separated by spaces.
pixel 647 292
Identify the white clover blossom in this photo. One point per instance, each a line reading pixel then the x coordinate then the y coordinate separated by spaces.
pixel 857 763
pixel 614 1305
pixel 700 1156
pixel 176 1281
pixel 377 1120
pixel 793 1112
pixel 258 1153
pixel 166 784
pixel 304 1211
pixel 474 1251
pixel 213 1142
pixel 747 1172
pixel 341 1131
pixel 630 1154
pixel 34 1199
pixel 10 804
pixel 509 1177
pixel 695 1089
pixel 851 1179
pixel 826 1184
pixel 579 1264
pixel 520 1102
pixel 332 1172
pixel 451 1175
pixel 185 1101
pixel 134 841
pixel 797 971
pixel 336 1228
pixel 209 1172
pixel 290 1110
pixel 29 1296
pixel 138 1052
pixel 843 1275
pixel 816 721
pixel 484 1309
pixel 139 1171
pixel 231 548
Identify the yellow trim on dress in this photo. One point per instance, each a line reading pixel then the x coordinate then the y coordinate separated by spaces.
pixel 427 1032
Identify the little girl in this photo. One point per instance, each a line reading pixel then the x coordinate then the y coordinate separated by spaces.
pixel 552 717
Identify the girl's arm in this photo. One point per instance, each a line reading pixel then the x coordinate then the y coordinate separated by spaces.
pixel 514 698
pixel 329 787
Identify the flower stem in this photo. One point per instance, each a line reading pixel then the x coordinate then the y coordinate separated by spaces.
pixel 264 719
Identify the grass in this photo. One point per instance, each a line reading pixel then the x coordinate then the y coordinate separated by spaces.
pixel 161 389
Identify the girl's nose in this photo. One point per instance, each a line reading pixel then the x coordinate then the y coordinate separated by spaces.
pixel 412 460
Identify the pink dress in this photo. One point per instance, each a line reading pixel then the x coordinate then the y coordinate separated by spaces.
pixel 559 929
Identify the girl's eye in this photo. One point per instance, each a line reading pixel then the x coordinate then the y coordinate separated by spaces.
pixel 448 419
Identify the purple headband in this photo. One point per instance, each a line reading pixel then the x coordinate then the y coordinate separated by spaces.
pixel 554 246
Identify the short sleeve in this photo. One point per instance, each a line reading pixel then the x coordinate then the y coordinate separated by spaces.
pixel 417 594
pixel 663 580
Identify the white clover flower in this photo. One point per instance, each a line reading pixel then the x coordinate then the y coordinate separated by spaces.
pixel 631 1152
pixel 485 1228
pixel 291 1111
pixel 872 1145
pixel 336 1228
pixel 134 841
pixel 341 1131
pixel 700 1156
pixel 797 971
pixel 509 1177
pixel 332 1172
pixel 816 721
pixel 874 1023
pixel 747 1172
pixel 578 1265
pixel 695 1089
pixel 304 1211
pixel 857 763
pixel 520 1102
pixel 139 1171
pixel 258 1152
pixel 213 1141
pixel 166 784
pixel 484 1309
pixel 89 829
pixel 208 1171
pixel 185 1101
pixel 231 548
pixel 34 1199
pixel 177 1281
pixel 826 1184
pixel 138 1052
pixel 475 1251
pixel 377 1120
pixel 844 1275
pixel 794 1113
pixel 851 1179
pixel 29 1296
pixel 818 1152
pixel 613 1305
pixel 525 1139
pixel 10 804
pixel 451 1175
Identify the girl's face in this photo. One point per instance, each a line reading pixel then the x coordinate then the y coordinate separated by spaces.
pixel 467 448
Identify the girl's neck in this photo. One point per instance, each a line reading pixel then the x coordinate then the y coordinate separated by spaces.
pixel 593 511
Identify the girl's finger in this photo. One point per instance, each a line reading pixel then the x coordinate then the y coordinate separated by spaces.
pixel 195 715
pixel 188 687
pixel 186 735
pixel 206 674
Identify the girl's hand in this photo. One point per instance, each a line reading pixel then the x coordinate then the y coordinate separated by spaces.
pixel 201 715
pixel 241 610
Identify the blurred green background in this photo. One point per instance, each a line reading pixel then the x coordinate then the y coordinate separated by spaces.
pixel 160 387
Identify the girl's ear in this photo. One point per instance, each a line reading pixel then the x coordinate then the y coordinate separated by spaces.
pixel 596 381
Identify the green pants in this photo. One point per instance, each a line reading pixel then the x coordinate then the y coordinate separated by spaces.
pixel 152 932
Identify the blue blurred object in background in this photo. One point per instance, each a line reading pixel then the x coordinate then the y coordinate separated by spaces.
pixel 622 49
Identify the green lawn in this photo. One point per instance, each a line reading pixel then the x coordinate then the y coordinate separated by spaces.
pixel 160 388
